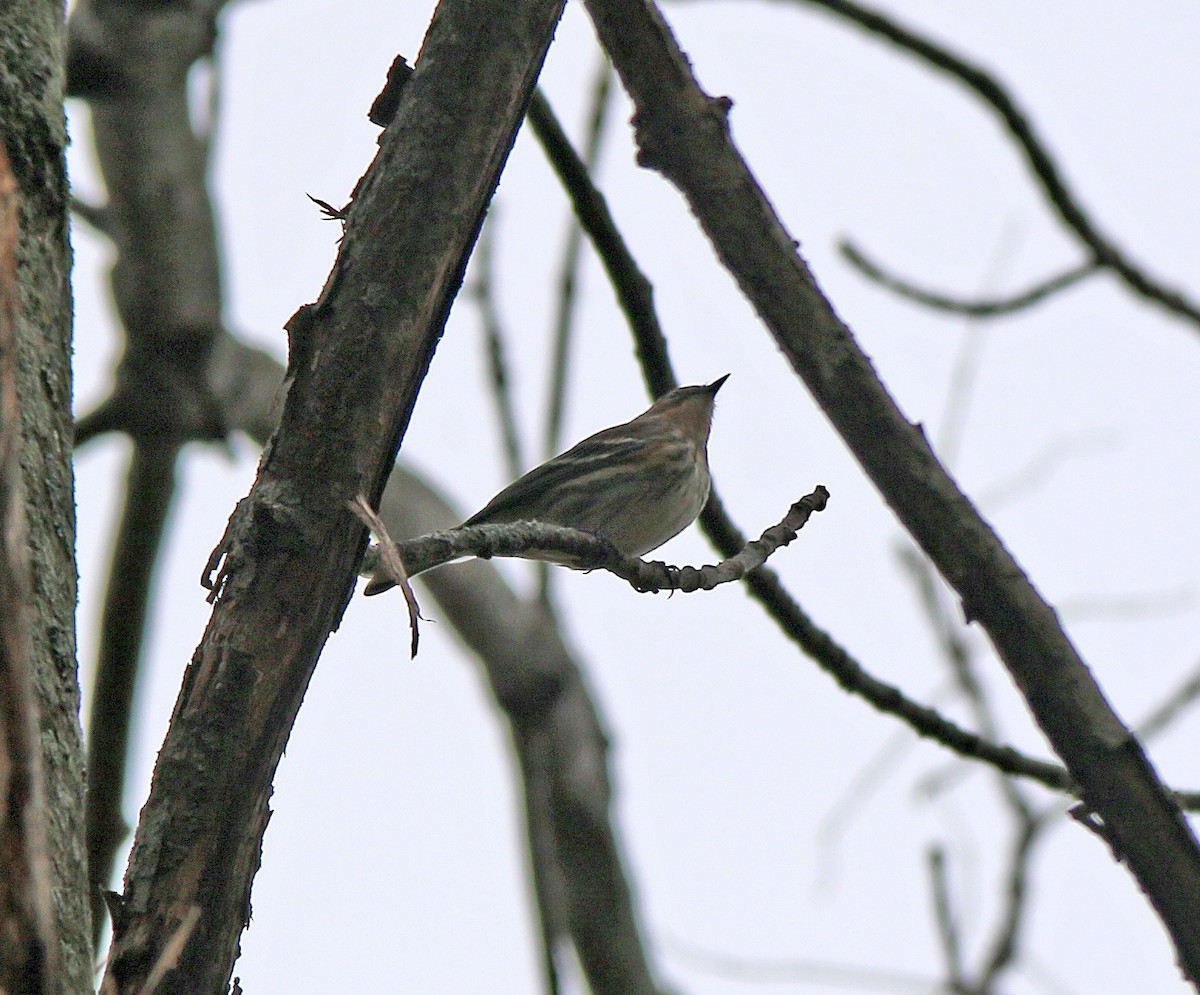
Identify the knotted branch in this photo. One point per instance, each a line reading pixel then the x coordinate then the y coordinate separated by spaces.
pixel 586 551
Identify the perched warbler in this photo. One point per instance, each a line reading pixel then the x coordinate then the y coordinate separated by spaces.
pixel 638 484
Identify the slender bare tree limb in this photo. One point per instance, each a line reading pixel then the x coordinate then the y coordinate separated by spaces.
pixel 684 134
pixel 632 286
pixel 806 973
pixel 1062 200
pixel 564 311
pixel 150 488
pixel 980 308
pixel 167 290
pixel 1172 707
pixel 947 921
pixel 636 298
pixel 549 886
pixel 1004 948
pixel 480 289
pixel 356 362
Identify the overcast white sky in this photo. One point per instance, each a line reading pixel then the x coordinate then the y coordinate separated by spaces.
pixel 393 862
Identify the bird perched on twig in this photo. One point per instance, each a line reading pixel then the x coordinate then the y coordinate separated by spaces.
pixel 638 484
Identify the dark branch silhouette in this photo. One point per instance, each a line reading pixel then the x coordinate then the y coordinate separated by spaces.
pixel 987 308
pixel 1100 247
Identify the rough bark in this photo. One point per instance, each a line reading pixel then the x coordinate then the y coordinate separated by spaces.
pixel 34 135
pixel 290 555
pixel 684 133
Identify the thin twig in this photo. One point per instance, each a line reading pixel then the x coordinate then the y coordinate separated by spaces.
pixel 391 564
pixel 944 916
pixel 1171 708
pixel 482 292
pixel 568 271
pixel 635 294
pixel 980 308
pixel 1043 465
pixel 960 390
pixel 1004 947
pixel 801 972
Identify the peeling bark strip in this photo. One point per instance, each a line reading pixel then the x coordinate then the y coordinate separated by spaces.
pixel 683 133
pixel 358 357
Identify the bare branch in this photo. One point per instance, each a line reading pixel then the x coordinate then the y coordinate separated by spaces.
pixel 292 547
pixel 989 308
pixel 481 291
pixel 1175 704
pixel 1005 945
pixel 94 215
pixel 390 563
pixel 804 972
pixel 1046 171
pixel 534 540
pixel 634 290
pixel 149 492
pixel 947 923
pixel 684 133
pixel 569 267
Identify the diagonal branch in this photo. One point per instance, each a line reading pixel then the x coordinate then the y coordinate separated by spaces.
pixel 1101 248
pixel 985 308
pixel 684 133
pixel 149 489
pixel 636 298
pixel 564 312
pixel 356 362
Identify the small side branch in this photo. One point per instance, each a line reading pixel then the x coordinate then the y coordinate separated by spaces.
pixel 1046 171
pixel 980 308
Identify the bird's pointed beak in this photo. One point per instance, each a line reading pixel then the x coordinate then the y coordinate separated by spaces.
pixel 716 384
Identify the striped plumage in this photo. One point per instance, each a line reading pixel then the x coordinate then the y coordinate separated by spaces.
pixel 638 484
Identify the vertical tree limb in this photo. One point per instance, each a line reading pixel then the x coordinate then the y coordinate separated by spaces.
pixel 34 137
pixel 29 953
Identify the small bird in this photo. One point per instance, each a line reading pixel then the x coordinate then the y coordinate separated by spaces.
pixel 638 484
